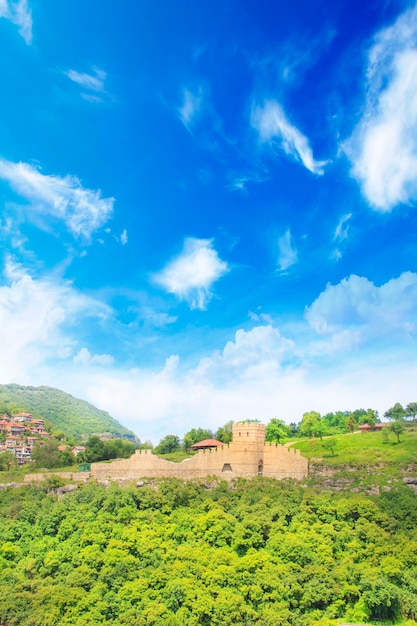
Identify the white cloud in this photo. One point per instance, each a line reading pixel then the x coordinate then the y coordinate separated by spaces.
pixel 92 82
pixel 190 107
pixel 260 317
pixel 383 147
pixel 190 276
pixel 356 312
pixel 274 128
pixel 84 357
pixel 19 13
pixel 82 210
pixel 123 237
pixel 249 355
pixel 35 321
pixel 287 252
pixel 259 373
pixel 342 229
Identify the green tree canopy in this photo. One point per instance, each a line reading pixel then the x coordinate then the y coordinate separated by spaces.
pixel 225 433
pixel 276 430
pixel 168 444
pixel 7 460
pixel 411 409
pixel 195 435
pixel 396 412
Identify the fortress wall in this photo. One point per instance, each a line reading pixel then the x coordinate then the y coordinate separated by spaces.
pixel 75 476
pixel 246 456
pixel 206 462
pixel 280 462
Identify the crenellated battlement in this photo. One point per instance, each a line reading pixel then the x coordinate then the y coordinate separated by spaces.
pixel 247 455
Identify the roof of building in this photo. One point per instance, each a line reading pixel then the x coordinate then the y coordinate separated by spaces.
pixel 207 443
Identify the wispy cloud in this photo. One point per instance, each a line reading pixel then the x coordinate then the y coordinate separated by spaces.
pixel 82 210
pixel 124 237
pixel 92 82
pixel 274 128
pixel 191 106
pixel 19 13
pixel 383 147
pixel 342 229
pixel 287 251
pixel 190 276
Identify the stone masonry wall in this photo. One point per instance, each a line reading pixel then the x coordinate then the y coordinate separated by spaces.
pixel 246 456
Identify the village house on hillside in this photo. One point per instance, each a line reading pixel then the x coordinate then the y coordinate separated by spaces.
pixel 21 432
pixel 248 455
pixel 371 428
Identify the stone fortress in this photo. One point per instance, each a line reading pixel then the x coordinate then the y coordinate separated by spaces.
pixel 248 455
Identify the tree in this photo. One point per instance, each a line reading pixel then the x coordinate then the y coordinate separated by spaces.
pixel 350 423
pixel 371 417
pixel 395 412
pixel 411 409
pixel 195 435
pixel 225 433
pixel 7 460
pixel 94 450
pixel 397 428
pixel 276 430
pixel 46 453
pixel 329 445
pixel 308 422
pixel 168 444
pixel 320 428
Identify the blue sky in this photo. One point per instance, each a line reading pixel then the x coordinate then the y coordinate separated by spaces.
pixel 208 209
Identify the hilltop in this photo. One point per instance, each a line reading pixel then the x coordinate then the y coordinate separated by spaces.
pixel 76 418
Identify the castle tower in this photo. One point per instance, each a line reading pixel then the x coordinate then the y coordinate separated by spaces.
pixel 247 448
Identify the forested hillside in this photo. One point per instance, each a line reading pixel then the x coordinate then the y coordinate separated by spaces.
pixel 73 416
pixel 252 553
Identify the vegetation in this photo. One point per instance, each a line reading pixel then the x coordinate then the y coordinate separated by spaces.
pixel 257 552
pixel 76 418
pixel 360 449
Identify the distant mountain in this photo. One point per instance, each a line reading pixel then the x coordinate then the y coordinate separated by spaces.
pixel 76 418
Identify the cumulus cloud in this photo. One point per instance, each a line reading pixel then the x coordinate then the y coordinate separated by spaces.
pixel 355 311
pixel 84 357
pixel 274 128
pixel 19 13
pixel 383 147
pixel 250 354
pixel 190 275
pixel 260 372
pixel 287 252
pixel 82 210
pixel 36 316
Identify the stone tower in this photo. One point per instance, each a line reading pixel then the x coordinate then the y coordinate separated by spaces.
pixel 247 448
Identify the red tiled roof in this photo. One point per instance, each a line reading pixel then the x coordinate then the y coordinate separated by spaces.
pixel 207 443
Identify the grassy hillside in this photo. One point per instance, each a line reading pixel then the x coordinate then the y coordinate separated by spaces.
pixel 362 449
pixel 76 418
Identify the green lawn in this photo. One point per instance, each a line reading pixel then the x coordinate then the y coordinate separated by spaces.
pixel 363 448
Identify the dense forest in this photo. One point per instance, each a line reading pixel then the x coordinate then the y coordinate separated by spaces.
pixel 76 418
pixel 256 552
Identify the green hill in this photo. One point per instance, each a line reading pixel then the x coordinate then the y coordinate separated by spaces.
pixel 76 418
